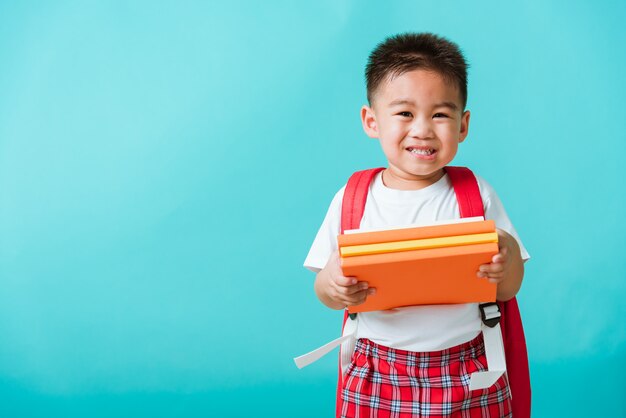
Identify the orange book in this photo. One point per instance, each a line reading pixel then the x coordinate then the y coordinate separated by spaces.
pixel 418 232
pixel 442 275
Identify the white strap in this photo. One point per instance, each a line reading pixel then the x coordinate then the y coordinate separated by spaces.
pixel 347 341
pixel 348 346
pixel 494 351
pixel 496 363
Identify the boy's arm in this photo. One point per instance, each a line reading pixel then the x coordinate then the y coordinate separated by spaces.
pixel 337 291
pixel 506 268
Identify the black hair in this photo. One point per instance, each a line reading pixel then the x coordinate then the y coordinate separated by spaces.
pixel 406 52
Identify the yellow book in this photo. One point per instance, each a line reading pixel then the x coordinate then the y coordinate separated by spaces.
pixel 418 244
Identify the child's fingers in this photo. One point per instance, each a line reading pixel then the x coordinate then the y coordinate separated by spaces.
pixel 351 290
pixel 491 277
pixel 495 271
pixel 344 288
pixel 344 281
pixel 491 270
pixel 486 269
pixel 358 297
pixel 501 257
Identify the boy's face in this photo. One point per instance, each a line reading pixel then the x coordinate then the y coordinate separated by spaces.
pixel 418 118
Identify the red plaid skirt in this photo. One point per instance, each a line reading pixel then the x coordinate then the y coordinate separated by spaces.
pixel 384 382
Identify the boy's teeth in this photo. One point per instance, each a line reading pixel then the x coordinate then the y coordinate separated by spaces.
pixel 421 151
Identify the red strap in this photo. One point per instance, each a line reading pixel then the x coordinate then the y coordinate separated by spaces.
pixel 352 207
pixel 470 205
pixel 516 355
pixel 354 198
pixel 467 191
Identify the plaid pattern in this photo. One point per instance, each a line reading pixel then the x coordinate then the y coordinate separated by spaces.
pixel 383 382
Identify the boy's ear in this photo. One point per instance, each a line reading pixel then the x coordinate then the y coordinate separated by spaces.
pixel 465 118
pixel 368 119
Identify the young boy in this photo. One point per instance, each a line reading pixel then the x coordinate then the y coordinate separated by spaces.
pixel 416 361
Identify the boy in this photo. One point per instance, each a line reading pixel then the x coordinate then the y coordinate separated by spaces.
pixel 415 361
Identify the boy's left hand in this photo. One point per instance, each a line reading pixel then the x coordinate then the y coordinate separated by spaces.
pixel 500 265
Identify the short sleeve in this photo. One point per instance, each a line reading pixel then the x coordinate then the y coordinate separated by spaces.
pixel 494 209
pixel 326 239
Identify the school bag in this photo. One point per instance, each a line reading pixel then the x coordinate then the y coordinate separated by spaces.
pixel 470 205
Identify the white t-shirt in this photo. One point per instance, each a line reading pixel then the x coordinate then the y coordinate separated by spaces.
pixel 414 328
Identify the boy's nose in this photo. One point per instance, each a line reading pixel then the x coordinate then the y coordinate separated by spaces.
pixel 421 128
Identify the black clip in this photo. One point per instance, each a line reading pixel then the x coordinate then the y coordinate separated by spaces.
pixel 490 322
pixel 352 316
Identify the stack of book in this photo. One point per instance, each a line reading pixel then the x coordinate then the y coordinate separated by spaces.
pixel 425 265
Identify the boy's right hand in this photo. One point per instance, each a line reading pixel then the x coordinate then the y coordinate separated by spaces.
pixel 338 291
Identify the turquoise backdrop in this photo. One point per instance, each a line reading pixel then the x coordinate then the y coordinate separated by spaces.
pixel 165 165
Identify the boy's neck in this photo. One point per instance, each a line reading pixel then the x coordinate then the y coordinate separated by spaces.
pixel 393 180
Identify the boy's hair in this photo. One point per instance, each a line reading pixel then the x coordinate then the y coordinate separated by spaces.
pixel 406 52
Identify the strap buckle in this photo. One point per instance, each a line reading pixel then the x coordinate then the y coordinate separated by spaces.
pixel 490 314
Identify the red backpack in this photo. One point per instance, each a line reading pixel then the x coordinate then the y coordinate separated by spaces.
pixel 470 204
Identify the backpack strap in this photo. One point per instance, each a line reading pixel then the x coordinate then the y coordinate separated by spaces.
pixel 470 204
pixel 517 367
pixel 354 198
pixel 352 208
pixel 467 192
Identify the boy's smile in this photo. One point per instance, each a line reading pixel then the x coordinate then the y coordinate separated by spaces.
pixel 419 120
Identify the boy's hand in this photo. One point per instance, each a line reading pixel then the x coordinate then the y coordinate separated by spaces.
pixel 338 291
pixel 506 268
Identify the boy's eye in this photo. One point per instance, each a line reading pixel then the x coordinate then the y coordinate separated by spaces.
pixel 440 115
pixel 405 114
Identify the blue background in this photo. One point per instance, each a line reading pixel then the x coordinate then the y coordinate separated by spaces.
pixel 164 167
